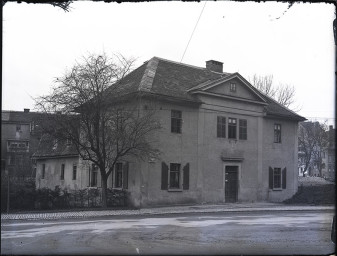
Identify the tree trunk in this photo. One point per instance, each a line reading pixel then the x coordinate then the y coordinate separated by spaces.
pixel 104 191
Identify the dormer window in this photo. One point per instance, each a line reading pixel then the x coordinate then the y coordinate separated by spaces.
pixel 232 87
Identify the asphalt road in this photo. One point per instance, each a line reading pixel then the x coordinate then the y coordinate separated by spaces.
pixel 282 232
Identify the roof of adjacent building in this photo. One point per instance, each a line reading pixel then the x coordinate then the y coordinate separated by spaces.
pixel 9 116
pixel 171 79
pixel 50 148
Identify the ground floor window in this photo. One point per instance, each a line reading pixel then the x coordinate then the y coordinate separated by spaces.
pixel 121 174
pixel 62 171
pixel 74 171
pixel 43 171
pixel 175 178
pixel 93 176
pixel 277 178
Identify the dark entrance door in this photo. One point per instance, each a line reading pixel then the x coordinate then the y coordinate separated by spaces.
pixel 231 184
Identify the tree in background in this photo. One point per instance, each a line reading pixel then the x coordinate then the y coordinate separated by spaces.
pixel 64 5
pixel 283 93
pixel 88 107
pixel 312 141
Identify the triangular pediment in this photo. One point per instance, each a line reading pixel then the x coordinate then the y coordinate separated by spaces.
pixel 233 86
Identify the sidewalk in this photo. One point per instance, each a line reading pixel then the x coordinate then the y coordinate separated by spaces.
pixel 233 207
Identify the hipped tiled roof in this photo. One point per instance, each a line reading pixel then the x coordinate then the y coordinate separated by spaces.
pixel 173 79
pixel 49 148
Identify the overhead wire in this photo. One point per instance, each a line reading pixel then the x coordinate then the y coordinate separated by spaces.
pixel 193 32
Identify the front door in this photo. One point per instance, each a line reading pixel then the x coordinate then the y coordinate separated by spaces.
pixel 231 184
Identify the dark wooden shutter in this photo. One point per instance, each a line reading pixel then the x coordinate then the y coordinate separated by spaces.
pixel 164 176
pixel 284 178
pixel 125 175
pixel 271 177
pixel 186 176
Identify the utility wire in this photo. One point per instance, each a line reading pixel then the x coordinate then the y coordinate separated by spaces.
pixel 193 31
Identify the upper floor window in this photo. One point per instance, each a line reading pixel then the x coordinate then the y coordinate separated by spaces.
pixel 277 133
pixel 232 128
pixel 242 129
pixel 232 87
pixel 221 127
pixel 176 121
pixel 18 127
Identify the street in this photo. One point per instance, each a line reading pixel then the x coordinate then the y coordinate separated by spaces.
pixel 275 232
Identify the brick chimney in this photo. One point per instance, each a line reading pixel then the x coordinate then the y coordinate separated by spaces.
pixel 26 110
pixel 214 65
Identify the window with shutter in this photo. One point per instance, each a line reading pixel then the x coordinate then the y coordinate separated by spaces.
pixel 174 176
pixel 277 178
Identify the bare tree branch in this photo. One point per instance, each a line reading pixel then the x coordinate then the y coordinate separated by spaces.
pixel 283 93
pixel 93 115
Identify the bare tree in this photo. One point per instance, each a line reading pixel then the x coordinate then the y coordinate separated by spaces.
pixel 264 84
pixel 312 140
pixel 64 5
pixel 283 93
pixel 87 106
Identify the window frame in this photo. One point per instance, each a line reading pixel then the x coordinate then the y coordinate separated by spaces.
pixel 94 176
pixel 118 176
pixel 243 129
pixel 176 121
pixel 43 174
pixel 277 178
pixel 175 168
pixel 277 175
pixel 232 87
pixel 232 128
pixel 221 127
pixel 74 173
pixel 277 133
pixel 62 171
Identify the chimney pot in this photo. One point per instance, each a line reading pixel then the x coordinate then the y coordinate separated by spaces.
pixel 214 65
pixel 26 110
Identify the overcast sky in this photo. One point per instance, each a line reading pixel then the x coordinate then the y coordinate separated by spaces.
pixel 296 46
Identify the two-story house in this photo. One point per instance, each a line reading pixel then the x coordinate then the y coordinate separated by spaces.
pixel 221 141
pixel 19 140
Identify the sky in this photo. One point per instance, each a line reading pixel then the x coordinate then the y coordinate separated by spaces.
pixel 295 45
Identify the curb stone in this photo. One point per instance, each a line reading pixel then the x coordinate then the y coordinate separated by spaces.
pixel 160 211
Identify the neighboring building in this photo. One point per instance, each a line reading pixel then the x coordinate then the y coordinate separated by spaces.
pixel 329 156
pixel 221 141
pixel 19 139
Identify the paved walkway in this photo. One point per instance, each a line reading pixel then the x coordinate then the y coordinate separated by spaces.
pixel 234 207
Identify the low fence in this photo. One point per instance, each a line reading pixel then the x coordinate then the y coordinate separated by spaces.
pixel 22 195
